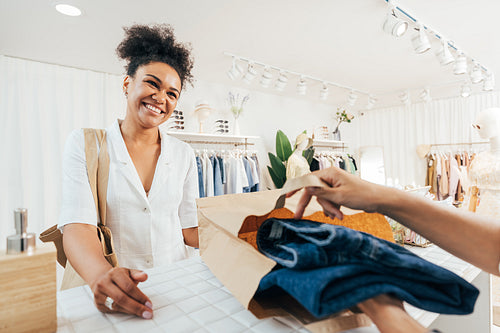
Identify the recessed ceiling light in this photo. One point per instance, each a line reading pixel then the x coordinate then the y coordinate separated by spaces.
pixel 68 9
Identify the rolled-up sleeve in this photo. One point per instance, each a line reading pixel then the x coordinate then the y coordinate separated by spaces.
pixel 77 204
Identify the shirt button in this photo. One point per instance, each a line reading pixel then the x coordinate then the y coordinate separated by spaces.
pixel 145 209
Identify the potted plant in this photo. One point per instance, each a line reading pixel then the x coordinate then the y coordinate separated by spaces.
pixel 277 170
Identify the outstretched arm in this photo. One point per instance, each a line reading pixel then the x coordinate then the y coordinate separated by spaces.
pixel 472 237
pixel 84 252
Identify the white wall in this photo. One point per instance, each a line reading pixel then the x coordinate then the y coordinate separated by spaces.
pixel 400 129
pixel 40 104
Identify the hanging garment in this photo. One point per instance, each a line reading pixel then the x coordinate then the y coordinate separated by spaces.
pixel 209 176
pixel 443 180
pixel 218 189
pixel 341 163
pixel 222 171
pixel 314 164
pixel 438 177
pixel 329 268
pixel 430 173
pixel 454 176
pixel 354 163
pixel 248 173
pixel 255 173
pixel 201 189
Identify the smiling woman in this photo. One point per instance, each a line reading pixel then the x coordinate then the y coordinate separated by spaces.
pixel 152 181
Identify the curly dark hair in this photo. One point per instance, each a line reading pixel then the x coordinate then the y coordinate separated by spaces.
pixel 144 44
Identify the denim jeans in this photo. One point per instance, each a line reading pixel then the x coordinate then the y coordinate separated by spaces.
pixel 329 268
pixel 201 188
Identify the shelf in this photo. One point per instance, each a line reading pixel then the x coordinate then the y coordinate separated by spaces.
pixel 329 144
pixel 206 138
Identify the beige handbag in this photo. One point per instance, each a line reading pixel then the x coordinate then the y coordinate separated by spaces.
pixel 98 172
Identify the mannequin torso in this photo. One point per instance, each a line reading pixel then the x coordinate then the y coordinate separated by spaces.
pixel 485 168
pixel 297 165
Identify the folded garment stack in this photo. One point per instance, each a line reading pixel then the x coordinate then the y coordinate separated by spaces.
pixel 329 268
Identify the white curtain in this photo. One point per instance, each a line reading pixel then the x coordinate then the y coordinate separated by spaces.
pixel 40 104
pixel 400 129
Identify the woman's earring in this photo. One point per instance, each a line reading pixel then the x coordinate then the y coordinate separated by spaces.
pixel 126 93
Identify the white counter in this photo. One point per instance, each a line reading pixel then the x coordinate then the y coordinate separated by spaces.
pixel 188 298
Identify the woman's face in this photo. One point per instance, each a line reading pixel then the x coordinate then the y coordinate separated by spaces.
pixel 152 94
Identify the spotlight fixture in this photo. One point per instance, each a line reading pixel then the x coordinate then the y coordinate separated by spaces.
pixel 68 9
pixel 302 86
pixel 352 98
pixel 425 95
pixel 489 82
pixel 465 90
pixel 460 66
pixel 476 75
pixel 281 82
pixel 323 93
pixel 235 70
pixel 266 78
pixel 371 102
pixel 444 55
pixel 250 74
pixel 420 40
pixel 394 25
pixel 404 97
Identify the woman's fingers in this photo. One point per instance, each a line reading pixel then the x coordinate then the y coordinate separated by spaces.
pixel 331 209
pixel 119 285
pixel 301 206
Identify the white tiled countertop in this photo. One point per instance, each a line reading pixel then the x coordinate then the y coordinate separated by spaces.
pixel 187 297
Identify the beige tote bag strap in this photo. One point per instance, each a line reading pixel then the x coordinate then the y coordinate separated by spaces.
pixel 102 173
pixel 296 184
pixel 97 168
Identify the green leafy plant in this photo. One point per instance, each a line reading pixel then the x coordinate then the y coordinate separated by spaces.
pixel 277 170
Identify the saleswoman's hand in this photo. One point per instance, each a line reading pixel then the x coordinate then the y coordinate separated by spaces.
pixel 117 291
pixel 345 190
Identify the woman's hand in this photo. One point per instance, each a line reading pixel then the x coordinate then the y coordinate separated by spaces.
pixel 345 190
pixel 120 284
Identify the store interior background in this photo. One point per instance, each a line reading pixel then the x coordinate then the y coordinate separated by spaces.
pixel 59 73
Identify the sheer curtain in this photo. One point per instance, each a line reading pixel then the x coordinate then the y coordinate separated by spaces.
pixel 40 104
pixel 400 129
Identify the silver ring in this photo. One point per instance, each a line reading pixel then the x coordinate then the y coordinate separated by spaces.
pixel 109 303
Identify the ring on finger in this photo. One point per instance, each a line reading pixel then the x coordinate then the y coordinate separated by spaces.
pixel 109 303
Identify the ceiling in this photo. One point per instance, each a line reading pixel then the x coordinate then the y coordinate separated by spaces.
pixel 333 40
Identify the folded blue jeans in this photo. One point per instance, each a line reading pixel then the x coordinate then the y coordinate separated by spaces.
pixel 329 268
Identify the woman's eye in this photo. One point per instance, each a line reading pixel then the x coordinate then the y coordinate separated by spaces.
pixel 153 83
pixel 174 95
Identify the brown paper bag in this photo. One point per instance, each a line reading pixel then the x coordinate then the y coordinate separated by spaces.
pixel 226 224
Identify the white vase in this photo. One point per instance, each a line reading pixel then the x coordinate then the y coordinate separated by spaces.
pixel 236 127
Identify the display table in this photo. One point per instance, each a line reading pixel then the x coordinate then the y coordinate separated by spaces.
pixel 187 297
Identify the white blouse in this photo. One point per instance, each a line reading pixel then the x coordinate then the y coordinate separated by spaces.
pixel 147 230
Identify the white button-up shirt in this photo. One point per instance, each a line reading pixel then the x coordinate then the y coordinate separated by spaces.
pixel 147 230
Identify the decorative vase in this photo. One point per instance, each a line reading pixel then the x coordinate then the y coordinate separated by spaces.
pixel 236 127
pixel 336 134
